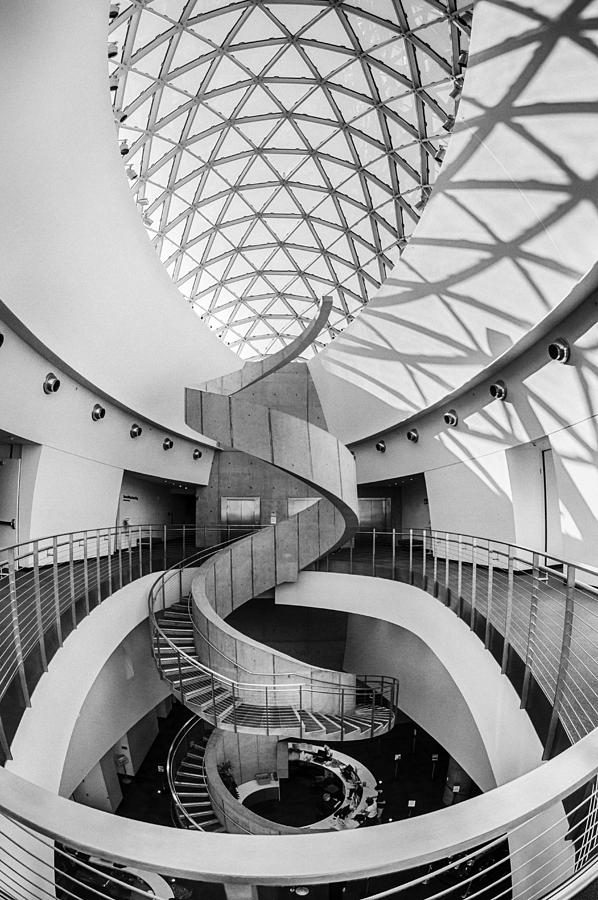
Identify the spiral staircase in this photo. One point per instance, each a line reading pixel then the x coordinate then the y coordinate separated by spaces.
pixel 224 677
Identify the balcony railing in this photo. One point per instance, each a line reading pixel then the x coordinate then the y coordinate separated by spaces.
pixel 531 838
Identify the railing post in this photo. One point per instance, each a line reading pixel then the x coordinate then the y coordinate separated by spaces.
pixel 140 549
pixel 72 582
pixel 460 574
pixel 16 631
pixel 342 714
pixel 300 709
pixel 531 631
pixel 38 607
pixel 184 542
pixel 394 553
pixel 109 563
pixel 214 701
pixel 151 548
pixel 130 557
pixel 120 558
pixel 56 590
pixel 374 552
pixel 564 660
pixel 474 582
pixel 85 574
pixel 164 536
pixel 180 676
pixel 411 556
pixel 351 557
pixel 489 597
pixel 180 584
pixel 372 715
pixel 234 710
pixel 447 548
pixel 434 549
pixel 424 542
pixel 390 696
pixel 509 612
pixel 98 566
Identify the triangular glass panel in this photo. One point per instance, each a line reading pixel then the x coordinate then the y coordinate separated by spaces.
pixel 215 29
pixel 189 47
pixel 330 29
pixel 290 65
pixel 227 72
pixel 225 103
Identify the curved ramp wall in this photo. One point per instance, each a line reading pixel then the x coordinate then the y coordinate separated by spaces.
pixel 509 230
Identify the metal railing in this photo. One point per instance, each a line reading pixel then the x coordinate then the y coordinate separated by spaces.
pixel 274 704
pixel 534 837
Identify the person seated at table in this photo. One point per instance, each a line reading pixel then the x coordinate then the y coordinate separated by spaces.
pixel 343 812
pixel 348 772
pixel 371 811
pixel 323 753
pixel 355 792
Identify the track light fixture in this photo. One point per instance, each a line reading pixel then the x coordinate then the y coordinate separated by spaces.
pixel 51 383
pixel 457 87
pixel 425 196
pixel 439 155
pixel 124 147
pixel 498 390
pixel 412 435
pixel 167 444
pixel 131 173
pixel 114 82
pixel 559 350
pixel 135 430
pixel 381 446
pixel 197 454
pixel 112 49
pixel 451 418
pixel 98 412
pixel 114 11
pixel 463 58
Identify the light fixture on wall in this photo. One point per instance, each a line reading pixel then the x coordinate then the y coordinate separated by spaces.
pixel 498 390
pixel 451 418
pixel 167 444
pixel 98 412
pixel 135 430
pixel 197 454
pixel 559 350
pixel 412 435
pixel 51 383
pixel 381 446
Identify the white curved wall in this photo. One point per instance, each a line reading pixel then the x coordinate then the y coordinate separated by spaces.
pixel 509 229
pixel 78 269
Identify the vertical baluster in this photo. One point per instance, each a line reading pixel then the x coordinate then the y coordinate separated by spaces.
pixel 98 566
pixel 164 537
pixel 214 700
pixel 509 611
pixel 373 700
pixel 531 631
pixel 180 676
pixel 140 550
pixel 56 590
pixel 351 557
pixel 109 551
pixel 411 556
pixel 447 549
pixel 460 576
pixel 85 575
pixel 300 710
pixel 434 549
pixel 424 559
pixel 267 710
pixel 184 543
pixel 474 582
pixel 564 659
pixel 151 548
pixel 394 554
pixel 234 710
pixel 72 581
pixel 38 607
pixel 490 605
pixel 374 552
pixel 342 714
pixel 119 538
pixel 130 555
pixel 16 630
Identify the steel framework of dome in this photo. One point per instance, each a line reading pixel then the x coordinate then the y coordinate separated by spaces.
pixel 280 151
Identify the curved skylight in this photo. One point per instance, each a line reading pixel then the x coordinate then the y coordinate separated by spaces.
pixel 281 151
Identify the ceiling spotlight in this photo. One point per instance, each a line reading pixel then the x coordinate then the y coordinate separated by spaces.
pixel 463 58
pixel 440 154
pixel 112 49
pixel 302 890
pixel 51 383
pixel 114 10
pixel 381 446
pixel 197 454
pixel 559 350
pixel 147 221
pixel 450 417
pixel 426 191
pixel 98 412
pixel 167 444
pixel 135 430
pixel 114 82
pixel 131 173
pixel 413 436
pixel 124 147
pixel 498 390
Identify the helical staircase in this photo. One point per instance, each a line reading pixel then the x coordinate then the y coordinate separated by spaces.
pixel 224 677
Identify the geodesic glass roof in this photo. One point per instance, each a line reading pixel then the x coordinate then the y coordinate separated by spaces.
pixel 281 151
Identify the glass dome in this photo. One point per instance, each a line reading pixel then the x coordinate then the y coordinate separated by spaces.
pixel 281 151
